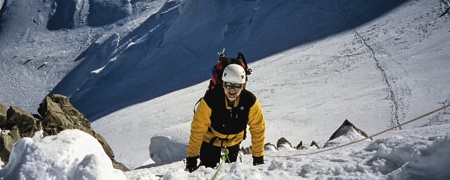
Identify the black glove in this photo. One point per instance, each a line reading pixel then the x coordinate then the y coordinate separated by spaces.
pixel 258 160
pixel 191 164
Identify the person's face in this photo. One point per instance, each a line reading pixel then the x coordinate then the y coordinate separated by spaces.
pixel 232 90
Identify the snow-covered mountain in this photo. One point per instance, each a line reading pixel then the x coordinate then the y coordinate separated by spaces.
pixel 376 63
pixel 144 48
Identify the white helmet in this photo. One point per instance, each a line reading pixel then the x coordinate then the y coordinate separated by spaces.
pixel 234 73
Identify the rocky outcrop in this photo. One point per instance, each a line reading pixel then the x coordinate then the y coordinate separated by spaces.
pixel 283 142
pixel 313 145
pixel 346 133
pixel 15 123
pixel 58 114
pixel 343 130
pixel 55 115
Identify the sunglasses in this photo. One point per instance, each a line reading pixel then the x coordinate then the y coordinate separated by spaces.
pixel 228 85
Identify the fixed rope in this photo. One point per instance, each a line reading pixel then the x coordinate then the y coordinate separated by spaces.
pixel 369 137
pixel 224 159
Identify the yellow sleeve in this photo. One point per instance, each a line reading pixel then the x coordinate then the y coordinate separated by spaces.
pixel 199 126
pixel 257 129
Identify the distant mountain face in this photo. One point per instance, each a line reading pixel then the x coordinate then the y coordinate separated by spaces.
pixel 68 14
pixel 122 52
pixel 40 40
pixel 176 47
pixel 1 6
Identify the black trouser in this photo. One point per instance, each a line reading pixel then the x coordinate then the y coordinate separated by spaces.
pixel 210 154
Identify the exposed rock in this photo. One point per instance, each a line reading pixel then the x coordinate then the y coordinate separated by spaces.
pixel 341 130
pixel 2 114
pixel 58 114
pixel 15 123
pixel 269 147
pixel 314 145
pixel 300 145
pixel 283 142
pixel 24 120
pixel 246 150
pixel 346 133
pixel 6 142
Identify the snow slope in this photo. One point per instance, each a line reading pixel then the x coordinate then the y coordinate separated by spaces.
pixel 72 154
pixel 35 59
pixel 313 88
pixel 135 47
pixel 341 60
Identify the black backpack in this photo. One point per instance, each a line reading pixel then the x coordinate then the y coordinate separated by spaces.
pixel 217 71
pixel 224 61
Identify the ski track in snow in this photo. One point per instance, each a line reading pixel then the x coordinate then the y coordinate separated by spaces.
pixel 392 95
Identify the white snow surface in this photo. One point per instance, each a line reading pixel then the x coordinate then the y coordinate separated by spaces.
pixel 72 154
pixel 138 75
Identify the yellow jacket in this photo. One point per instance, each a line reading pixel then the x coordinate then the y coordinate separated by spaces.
pixel 214 120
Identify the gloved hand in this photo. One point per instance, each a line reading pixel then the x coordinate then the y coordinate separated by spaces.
pixel 191 164
pixel 258 160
